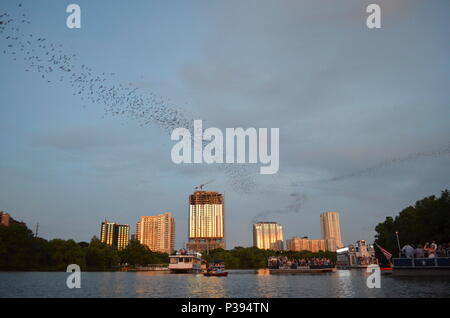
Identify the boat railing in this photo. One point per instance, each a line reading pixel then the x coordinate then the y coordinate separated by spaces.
pixel 436 262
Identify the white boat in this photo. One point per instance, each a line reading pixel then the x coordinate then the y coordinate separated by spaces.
pixel 185 262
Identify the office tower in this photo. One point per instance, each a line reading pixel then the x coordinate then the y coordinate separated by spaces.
pixel 206 221
pixel 114 234
pixel 268 235
pixel 331 228
pixel 157 232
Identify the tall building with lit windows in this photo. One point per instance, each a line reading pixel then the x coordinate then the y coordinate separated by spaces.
pixel 114 234
pixel 157 232
pixel 331 228
pixel 268 236
pixel 206 221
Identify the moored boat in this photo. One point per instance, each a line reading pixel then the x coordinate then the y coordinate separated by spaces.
pixel 185 262
pixel 275 267
pixel 216 269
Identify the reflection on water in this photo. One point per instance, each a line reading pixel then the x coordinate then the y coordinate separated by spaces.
pixel 263 272
pixel 239 283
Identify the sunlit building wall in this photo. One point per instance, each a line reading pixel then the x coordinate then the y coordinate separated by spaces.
pixel 114 234
pixel 4 218
pixel 268 236
pixel 206 221
pixel 305 244
pixel 157 232
pixel 331 228
pixel 123 235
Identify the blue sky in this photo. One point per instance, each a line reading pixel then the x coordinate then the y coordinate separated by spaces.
pixel 344 97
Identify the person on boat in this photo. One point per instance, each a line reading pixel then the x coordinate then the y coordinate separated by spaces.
pixel 431 251
pixel 419 252
pixel 426 249
pixel 408 250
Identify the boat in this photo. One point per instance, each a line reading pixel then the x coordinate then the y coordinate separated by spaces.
pixel 217 269
pixel 185 262
pixel 358 255
pixel 276 268
pixel 304 270
pixel 438 266
pixel 386 270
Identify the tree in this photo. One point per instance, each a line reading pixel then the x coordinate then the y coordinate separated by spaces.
pixel 18 248
pixel 101 256
pixel 63 253
pixel 427 220
pixel 137 254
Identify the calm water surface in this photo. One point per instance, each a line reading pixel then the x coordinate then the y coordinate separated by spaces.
pixel 239 283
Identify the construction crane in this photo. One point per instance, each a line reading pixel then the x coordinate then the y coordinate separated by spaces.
pixel 200 186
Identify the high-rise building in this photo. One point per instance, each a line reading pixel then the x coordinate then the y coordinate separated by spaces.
pixel 114 234
pixel 331 228
pixel 268 235
pixel 157 232
pixel 206 221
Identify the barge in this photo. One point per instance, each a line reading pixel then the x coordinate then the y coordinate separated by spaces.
pixel 439 266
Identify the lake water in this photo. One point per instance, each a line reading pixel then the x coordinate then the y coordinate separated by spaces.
pixel 239 283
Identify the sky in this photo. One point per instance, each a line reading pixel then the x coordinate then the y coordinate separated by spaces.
pixel 363 113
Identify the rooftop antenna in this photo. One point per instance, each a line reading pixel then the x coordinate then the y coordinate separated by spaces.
pixel 200 186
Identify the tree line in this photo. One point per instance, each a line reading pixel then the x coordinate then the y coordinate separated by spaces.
pixel 427 220
pixel 255 258
pixel 21 250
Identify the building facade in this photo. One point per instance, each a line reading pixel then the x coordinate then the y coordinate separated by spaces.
pixel 114 234
pixel 268 236
pixel 157 232
pixel 331 228
pixel 4 218
pixel 206 221
pixel 313 245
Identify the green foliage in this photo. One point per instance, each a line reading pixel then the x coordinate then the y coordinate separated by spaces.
pixel 427 220
pixel 254 258
pixel 137 254
pixel 101 256
pixel 20 250
pixel 61 253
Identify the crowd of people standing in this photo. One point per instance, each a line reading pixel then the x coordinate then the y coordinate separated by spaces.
pixel 427 250
pixel 285 262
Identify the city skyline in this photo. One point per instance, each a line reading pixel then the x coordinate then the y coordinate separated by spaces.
pixel 359 124
pixel 206 229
